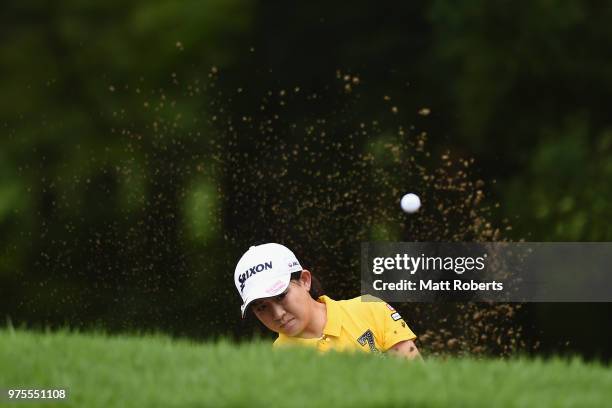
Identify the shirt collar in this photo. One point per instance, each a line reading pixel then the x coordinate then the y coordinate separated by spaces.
pixel 333 325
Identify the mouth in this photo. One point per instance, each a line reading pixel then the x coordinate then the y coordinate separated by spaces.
pixel 288 322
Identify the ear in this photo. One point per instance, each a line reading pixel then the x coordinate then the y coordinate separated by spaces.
pixel 306 279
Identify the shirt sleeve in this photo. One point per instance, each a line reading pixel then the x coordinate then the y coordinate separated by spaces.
pixel 390 326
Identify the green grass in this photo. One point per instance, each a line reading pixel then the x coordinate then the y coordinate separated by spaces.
pixel 155 371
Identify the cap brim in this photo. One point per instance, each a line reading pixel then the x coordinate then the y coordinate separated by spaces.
pixel 264 288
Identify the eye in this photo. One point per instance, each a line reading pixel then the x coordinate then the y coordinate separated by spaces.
pixel 260 307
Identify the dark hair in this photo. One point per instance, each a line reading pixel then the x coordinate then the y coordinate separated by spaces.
pixel 316 290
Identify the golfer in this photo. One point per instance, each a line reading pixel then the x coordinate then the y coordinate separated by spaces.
pixel 284 298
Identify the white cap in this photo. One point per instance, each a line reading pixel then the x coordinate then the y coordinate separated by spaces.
pixel 264 271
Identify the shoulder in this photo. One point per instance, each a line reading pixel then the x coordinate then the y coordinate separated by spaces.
pixel 365 301
pixel 369 307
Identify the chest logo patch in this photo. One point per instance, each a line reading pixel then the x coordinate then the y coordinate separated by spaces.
pixel 368 337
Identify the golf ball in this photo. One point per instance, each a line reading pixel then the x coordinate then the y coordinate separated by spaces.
pixel 410 203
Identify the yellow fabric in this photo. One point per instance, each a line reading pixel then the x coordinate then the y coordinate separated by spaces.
pixel 349 323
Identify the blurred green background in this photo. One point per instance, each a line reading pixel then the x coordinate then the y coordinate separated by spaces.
pixel 146 144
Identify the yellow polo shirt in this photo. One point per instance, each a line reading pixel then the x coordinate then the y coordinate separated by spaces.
pixel 354 324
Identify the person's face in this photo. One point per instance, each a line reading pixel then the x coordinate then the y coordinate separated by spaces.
pixel 289 312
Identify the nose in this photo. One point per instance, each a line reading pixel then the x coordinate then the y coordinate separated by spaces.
pixel 277 311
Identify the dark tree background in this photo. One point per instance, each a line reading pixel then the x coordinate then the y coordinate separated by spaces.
pixel 146 144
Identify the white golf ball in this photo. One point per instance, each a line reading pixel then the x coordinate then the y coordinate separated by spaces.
pixel 410 203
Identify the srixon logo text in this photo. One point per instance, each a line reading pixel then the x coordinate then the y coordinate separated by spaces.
pixel 252 271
